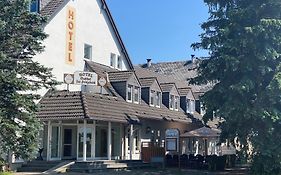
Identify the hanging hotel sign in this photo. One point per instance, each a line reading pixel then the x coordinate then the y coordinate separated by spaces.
pixel 70 35
pixel 68 78
pixel 85 78
pixel 102 81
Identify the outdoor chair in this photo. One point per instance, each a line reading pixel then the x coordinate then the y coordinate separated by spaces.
pixel 199 161
pixel 184 160
pixel 175 160
pixel 169 160
pixel 192 161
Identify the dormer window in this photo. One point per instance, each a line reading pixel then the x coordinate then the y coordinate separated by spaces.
pixel 133 94
pixel 158 99
pixel 172 101
pixel 176 103
pixel 155 98
pixel 130 93
pixel 188 105
pixel 136 94
pixel 152 94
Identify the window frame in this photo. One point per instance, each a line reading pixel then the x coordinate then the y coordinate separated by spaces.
pixel 176 106
pixel 91 51
pixel 119 62
pixel 188 105
pixel 151 97
pixel 159 99
pixel 172 102
pixel 113 60
pixel 131 96
pixel 138 94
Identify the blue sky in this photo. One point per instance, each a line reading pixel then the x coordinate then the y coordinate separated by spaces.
pixel 162 30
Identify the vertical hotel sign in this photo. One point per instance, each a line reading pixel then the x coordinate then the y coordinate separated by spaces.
pixel 70 35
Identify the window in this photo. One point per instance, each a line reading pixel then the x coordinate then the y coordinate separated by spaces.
pixel 87 51
pixel 129 93
pixel 172 101
pixel 158 99
pixel 192 106
pixel 188 105
pixel 136 94
pixel 119 63
pixel 113 60
pixel 34 6
pixel 176 103
pixel 152 93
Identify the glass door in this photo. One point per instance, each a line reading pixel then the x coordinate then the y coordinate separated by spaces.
pixel 89 137
pixel 55 140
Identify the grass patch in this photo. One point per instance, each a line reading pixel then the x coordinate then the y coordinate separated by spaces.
pixel 6 173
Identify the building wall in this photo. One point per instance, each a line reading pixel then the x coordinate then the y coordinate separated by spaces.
pixel 92 27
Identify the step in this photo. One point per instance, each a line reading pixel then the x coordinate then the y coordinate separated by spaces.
pixel 38 166
pixel 94 166
pixel 32 169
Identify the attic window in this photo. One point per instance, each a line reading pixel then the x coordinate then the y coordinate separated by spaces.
pixel 158 99
pixel 176 103
pixel 152 93
pixel 130 93
pixel 119 62
pixel 87 51
pixel 172 101
pixel 188 105
pixel 136 94
pixel 113 60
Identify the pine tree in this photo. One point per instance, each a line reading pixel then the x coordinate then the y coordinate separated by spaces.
pixel 244 40
pixel 21 36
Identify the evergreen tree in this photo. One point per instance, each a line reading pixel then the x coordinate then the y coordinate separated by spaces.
pixel 244 40
pixel 21 36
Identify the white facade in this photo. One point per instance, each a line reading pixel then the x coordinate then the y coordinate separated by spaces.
pixel 92 27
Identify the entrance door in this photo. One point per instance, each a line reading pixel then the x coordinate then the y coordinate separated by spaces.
pixel 67 143
pixel 89 140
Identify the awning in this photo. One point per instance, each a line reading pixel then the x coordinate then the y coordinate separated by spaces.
pixel 202 132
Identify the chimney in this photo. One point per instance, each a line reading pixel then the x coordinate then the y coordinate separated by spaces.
pixel 193 58
pixel 148 62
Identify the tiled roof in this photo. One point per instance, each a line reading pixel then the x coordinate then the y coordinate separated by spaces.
pixel 79 105
pixel 120 76
pixel 166 87
pixel 184 91
pixel 62 105
pixel 98 68
pixel 51 7
pixel 179 72
pixel 202 132
pixel 147 82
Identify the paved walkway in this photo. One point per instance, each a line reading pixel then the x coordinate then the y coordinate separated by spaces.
pixel 168 171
